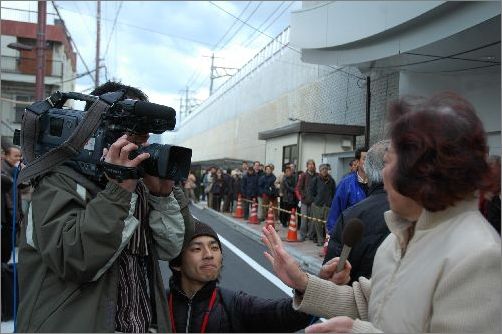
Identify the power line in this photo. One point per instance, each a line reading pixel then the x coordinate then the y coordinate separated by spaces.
pixel 230 28
pixel 285 45
pixel 275 20
pixel 250 37
pixel 80 16
pixel 230 39
pixel 71 39
pixel 113 28
pixel 147 29
pixel 196 74
pixel 194 78
pixel 81 74
pixel 244 22
pixel 452 56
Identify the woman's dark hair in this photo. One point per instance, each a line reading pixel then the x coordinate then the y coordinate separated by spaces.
pixel 441 150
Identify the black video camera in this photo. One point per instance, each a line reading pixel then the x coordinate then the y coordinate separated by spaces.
pixel 56 124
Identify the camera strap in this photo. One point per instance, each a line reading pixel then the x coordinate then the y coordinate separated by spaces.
pixel 120 173
pixel 70 148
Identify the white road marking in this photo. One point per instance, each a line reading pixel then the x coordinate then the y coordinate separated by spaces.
pixel 256 266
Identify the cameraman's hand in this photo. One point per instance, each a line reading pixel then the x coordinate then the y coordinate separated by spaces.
pixel 157 186
pixel 118 154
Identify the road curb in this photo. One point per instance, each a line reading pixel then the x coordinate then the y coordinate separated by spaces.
pixel 308 263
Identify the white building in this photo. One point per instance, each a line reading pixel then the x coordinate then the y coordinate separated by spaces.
pixel 427 46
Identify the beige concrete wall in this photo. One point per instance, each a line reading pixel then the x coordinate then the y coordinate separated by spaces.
pixel 238 137
pixel 315 145
pixel 274 147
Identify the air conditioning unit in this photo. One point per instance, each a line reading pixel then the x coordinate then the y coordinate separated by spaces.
pixel 346 143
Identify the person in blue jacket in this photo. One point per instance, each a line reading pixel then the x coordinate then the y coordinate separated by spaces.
pixel 351 189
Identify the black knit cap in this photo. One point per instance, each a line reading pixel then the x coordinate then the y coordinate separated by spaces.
pixel 200 229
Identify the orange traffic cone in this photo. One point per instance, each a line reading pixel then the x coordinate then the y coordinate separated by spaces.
pixel 270 218
pixel 292 234
pixel 253 218
pixel 324 249
pixel 239 212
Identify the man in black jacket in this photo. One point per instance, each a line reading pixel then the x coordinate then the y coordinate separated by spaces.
pixel 371 212
pixel 322 189
pixel 198 304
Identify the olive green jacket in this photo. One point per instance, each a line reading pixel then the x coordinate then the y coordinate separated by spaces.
pixel 68 278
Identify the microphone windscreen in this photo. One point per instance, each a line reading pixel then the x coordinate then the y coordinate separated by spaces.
pixel 352 232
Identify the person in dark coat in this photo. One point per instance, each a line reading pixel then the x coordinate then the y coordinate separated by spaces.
pixel 268 191
pixel 227 195
pixel 371 212
pixel 288 195
pixel 249 189
pixel 236 187
pixel 198 304
pixel 302 191
pixel 322 189
pixel 10 162
pixel 218 190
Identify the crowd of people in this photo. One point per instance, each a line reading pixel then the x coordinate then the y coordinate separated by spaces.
pixel 312 193
pixel 428 261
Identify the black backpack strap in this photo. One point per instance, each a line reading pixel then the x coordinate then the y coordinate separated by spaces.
pixel 67 150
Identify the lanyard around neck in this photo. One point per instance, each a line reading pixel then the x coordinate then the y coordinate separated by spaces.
pixel 206 314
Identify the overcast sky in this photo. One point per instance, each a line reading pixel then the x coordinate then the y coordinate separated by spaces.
pixel 163 46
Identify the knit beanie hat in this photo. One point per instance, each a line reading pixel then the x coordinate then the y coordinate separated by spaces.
pixel 200 229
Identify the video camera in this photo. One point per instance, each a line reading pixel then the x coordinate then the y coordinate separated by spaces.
pixel 56 124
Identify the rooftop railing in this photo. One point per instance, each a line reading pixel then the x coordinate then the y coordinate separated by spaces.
pixel 265 54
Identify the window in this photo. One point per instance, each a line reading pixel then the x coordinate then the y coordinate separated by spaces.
pixel 290 154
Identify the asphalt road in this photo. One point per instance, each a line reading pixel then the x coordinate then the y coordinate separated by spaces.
pixel 236 273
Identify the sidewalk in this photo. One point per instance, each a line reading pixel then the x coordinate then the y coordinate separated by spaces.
pixel 306 253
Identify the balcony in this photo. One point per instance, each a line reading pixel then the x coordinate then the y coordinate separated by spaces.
pixel 28 66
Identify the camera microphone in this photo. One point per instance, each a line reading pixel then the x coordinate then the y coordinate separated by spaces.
pixel 149 109
pixel 351 235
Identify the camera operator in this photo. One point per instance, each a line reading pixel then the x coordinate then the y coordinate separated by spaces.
pixel 89 252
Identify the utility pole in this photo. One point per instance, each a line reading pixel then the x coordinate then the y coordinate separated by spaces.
pixel 41 30
pixel 186 100
pixel 211 75
pixel 214 73
pixel 98 33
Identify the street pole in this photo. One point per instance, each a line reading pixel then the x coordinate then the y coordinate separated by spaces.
pixel 368 108
pixel 211 76
pixel 98 33
pixel 41 30
pixel 186 101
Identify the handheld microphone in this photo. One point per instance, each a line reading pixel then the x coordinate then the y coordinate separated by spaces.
pixel 351 235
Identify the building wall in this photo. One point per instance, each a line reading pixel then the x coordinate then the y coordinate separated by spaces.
pixel 342 22
pixel 314 146
pixel 482 90
pixel 274 147
pixel 282 91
